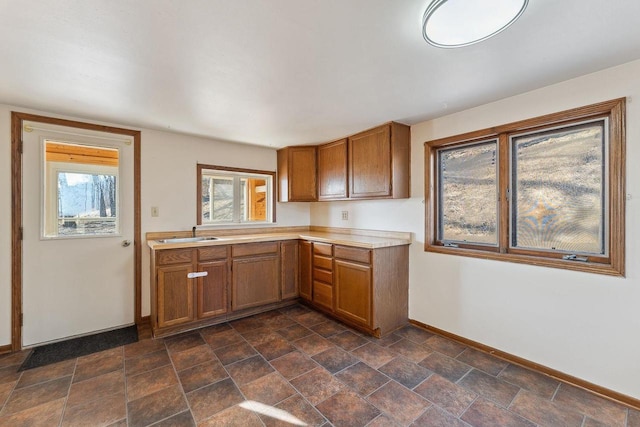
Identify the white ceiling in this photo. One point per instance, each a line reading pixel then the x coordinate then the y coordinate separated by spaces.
pixel 284 72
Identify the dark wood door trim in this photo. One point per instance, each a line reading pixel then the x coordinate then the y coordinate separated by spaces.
pixel 17 120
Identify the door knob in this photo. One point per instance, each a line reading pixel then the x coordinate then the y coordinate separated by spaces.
pixel 126 243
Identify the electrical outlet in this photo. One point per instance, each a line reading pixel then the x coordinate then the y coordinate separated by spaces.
pixel 345 215
pixel 155 211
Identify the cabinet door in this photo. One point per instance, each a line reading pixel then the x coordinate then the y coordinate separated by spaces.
pixel 297 174
pixel 255 281
pixel 175 295
pixel 289 269
pixel 370 164
pixel 212 299
pixel 352 287
pixel 305 256
pixel 332 170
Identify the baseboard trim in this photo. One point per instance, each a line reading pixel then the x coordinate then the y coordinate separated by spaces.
pixel 560 376
pixel 5 349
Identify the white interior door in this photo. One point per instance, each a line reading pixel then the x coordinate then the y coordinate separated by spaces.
pixel 78 221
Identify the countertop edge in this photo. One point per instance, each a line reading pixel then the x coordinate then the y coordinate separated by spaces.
pixel 361 241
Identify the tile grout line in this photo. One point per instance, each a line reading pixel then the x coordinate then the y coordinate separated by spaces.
pixel 175 371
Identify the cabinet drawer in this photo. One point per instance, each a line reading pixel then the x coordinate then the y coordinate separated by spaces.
pixel 323 275
pixel 254 249
pixel 212 252
pixel 323 294
pixel 174 256
pixel 353 254
pixel 323 262
pixel 323 248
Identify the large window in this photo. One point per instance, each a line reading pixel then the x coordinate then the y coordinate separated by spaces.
pixel 232 196
pixel 546 191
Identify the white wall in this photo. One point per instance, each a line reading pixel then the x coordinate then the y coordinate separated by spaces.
pixel 586 325
pixel 168 181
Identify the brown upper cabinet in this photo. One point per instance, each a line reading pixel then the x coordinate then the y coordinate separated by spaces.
pixel 332 170
pixel 379 162
pixel 374 164
pixel 297 174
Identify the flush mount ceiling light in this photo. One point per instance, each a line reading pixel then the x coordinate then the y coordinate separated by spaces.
pixel 457 23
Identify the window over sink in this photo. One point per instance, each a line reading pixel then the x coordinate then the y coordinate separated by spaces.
pixel 234 196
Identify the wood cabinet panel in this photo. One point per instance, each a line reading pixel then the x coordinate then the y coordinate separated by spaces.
pixel 370 164
pixel 325 262
pixel 353 254
pixel 332 170
pixel 289 269
pixel 255 281
pixel 323 295
pixel 174 256
pixel 213 252
pixel 305 263
pixel 212 296
pixel 323 249
pixel 252 249
pixel 174 295
pixel 352 287
pixel 297 174
pixel 322 275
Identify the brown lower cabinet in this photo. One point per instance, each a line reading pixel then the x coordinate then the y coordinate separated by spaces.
pixel 175 295
pixel 183 294
pixel 194 287
pixel 255 277
pixel 305 255
pixel 365 288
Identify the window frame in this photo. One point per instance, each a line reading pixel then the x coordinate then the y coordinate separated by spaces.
pixel 49 192
pixel 235 172
pixel 612 263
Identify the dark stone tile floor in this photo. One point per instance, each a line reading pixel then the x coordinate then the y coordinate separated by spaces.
pixel 294 367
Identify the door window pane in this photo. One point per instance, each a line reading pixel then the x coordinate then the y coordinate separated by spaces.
pixel 87 204
pixel 558 189
pixel 468 183
pixel 80 190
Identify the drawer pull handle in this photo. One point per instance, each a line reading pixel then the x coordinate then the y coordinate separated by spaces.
pixel 198 274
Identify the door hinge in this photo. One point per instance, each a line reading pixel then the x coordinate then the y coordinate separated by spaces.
pixel 21 319
pixel 20 232
pixel 20 147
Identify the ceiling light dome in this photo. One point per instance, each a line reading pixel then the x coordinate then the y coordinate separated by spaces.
pixel 456 23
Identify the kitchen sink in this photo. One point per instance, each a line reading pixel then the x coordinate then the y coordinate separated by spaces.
pixel 187 239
